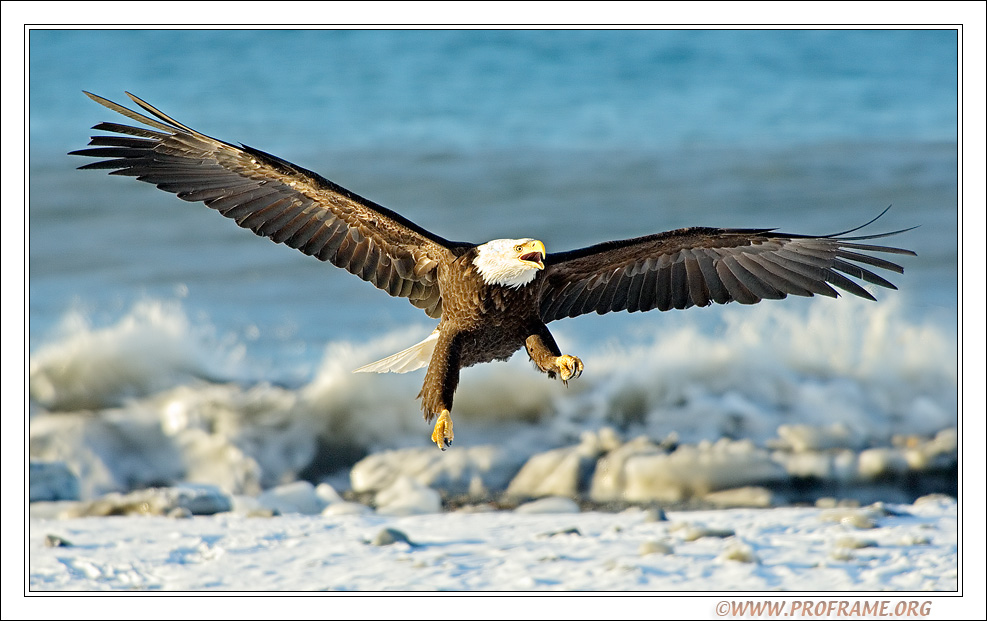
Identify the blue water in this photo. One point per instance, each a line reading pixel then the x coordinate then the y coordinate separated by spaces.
pixel 573 137
pixel 475 89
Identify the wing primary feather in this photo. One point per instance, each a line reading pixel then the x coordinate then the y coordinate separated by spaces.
pixel 236 195
pixel 847 285
pixel 161 115
pixel 104 164
pixel 649 293
pixel 130 114
pixel 869 260
pixel 803 258
pixel 326 243
pixel 698 292
pixel 770 278
pixel 251 201
pixel 755 285
pixel 130 130
pixel 634 288
pixel 872 248
pixel 618 301
pixel 663 288
pixel 360 258
pixel 345 251
pixel 593 295
pixel 571 302
pixel 274 224
pixel 808 277
pixel 679 284
pixel 259 218
pixel 312 237
pixel 863 274
pixel 610 298
pixel 738 290
pixel 707 264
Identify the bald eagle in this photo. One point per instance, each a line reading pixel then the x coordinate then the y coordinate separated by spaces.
pixel 490 299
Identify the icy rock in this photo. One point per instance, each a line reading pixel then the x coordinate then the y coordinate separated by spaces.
pixel 827 502
pixel 247 505
pixel 114 451
pixel 939 452
pixel 196 499
pixel 335 505
pixel 388 536
pixel 808 464
pixel 560 472
pixel 52 480
pixel 691 470
pixel 750 496
pixel 914 540
pixel 457 471
pixel 691 532
pixel 877 462
pixel 609 479
pixel 552 504
pixel 934 499
pixel 740 552
pixel 347 508
pixel 655 513
pixel 483 507
pixel 853 518
pixel 572 530
pixel 654 547
pixel 297 497
pixel 802 438
pixel 406 496
pixel 57 541
pixel 327 493
pixel 853 543
pixel 838 465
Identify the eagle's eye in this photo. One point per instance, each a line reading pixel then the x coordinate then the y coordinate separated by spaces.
pixel 518 248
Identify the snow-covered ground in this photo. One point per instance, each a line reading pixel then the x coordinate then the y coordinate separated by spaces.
pixel 545 545
pixel 869 424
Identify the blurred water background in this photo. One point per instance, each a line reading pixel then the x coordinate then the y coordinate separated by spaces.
pixel 572 137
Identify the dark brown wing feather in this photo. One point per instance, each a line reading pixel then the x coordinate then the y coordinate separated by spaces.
pixel 699 266
pixel 278 200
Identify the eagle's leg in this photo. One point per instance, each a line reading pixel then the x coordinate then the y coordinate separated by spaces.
pixel 440 384
pixel 442 434
pixel 547 356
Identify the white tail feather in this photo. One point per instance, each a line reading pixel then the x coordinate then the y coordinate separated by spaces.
pixel 411 359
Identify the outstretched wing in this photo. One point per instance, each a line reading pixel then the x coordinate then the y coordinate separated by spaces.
pixel 278 200
pixel 699 266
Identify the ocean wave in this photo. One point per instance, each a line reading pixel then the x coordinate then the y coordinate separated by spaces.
pixel 159 385
pixel 153 346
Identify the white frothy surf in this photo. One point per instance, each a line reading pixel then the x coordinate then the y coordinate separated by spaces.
pixel 773 375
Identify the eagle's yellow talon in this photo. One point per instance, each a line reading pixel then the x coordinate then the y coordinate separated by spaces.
pixel 442 434
pixel 570 367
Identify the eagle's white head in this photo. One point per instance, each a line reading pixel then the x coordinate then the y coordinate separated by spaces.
pixel 510 262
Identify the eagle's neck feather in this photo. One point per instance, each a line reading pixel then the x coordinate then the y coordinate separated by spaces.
pixel 496 266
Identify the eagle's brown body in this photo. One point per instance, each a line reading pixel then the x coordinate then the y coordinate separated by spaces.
pixel 481 323
pixel 494 320
pixel 491 299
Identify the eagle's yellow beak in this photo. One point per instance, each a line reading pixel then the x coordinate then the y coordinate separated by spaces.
pixel 532 253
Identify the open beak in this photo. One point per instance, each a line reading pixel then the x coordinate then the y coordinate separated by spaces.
pixel 535 254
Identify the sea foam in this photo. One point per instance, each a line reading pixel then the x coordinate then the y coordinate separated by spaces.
pixel 158 397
